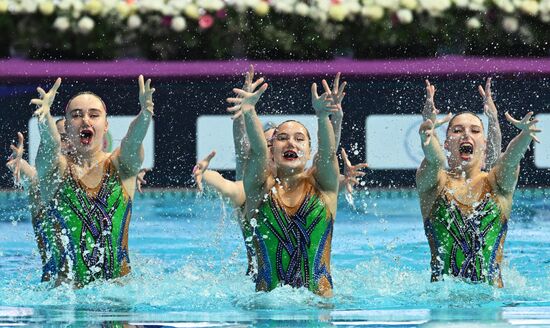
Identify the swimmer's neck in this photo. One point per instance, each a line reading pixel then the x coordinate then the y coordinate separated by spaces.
pixel 464 174
pixel 88 160
pixel 290 181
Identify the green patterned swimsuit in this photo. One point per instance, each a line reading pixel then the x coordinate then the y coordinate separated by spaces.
pixel 94 223
pixel 467 241
pixel 293 249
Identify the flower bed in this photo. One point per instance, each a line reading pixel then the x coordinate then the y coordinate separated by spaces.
pixel 276 29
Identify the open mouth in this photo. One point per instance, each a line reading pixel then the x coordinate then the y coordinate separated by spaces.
pixel 86 136
pixel 290 155
pixel 466 150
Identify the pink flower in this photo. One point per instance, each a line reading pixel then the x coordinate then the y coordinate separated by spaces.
pixel 206 21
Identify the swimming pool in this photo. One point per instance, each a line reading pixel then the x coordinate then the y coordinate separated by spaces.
pixel 188 264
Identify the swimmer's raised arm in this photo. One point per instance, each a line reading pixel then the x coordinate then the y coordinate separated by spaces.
pixel 427 175
pixel 240 139
pixel 17 165
pixel 506 169
pixel 130 157
pixel 256 168
pixel 351 172
pixel 233 190
pixel 337 94
pixel 494 136
pixel 50 164
pixel 325 163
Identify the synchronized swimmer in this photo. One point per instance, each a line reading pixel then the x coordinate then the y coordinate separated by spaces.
pixel 81 196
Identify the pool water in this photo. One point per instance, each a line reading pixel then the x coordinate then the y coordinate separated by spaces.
pixel 188 263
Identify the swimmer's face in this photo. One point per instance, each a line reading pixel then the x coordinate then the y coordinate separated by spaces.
pixel 290 147
pixel 66 145
pixel 86 123
pixel 465 142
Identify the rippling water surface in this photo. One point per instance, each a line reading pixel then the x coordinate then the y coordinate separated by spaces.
pixel 188 263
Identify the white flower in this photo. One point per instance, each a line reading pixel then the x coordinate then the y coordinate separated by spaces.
pixel 373 12
pixel 64 5
pixel 477 5
pixel 338 12
pixel 505 5
pixel 435 7
pixel 214 5
pixel 390 4
pixel 3 6
pixel 178 24
pixel 530 7
pixel 85 25
pixel 29 6
pixel 510 24
pixel 302 9
pixel 461 3
pixel 94 7
pixel 473 23
pixel 262 8
pixel 544 7
pixel 545 18
pixel 61 23
pixel 46 8
pixel 409 4
pixel 405 16
pixel 134 22
pixel 191 11
pixel 283 6
pixel 123 9
pixel 353 6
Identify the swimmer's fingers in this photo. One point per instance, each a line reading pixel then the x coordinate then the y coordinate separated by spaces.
pixel 41 92
pixel 141 84
pixel 234 100
pixel 237 115
pixel 510 119
pixel 446 119
pixel 56 85
pixel 326 88
pixel 488 93
pixel 526 118
pixel 314 94
pixel 340 95
pixel 254 85
pixel 336 85
pixel 345 157
pixel 481 92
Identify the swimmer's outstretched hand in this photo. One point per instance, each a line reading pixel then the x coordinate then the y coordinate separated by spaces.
pixel 200 167
pixel 45 101
pixel 322 104
pixel 14 161
pixel 429 111
pixel 351 172
pixel 140 179
pixel 427 128
pixel 336 94
pixel 525 125
pixel 246 100
pixel 489 107
pixel 146 95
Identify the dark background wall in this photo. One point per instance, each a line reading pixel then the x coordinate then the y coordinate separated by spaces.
pixel 179 101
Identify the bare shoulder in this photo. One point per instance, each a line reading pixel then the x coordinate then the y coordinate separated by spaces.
pixel 429 196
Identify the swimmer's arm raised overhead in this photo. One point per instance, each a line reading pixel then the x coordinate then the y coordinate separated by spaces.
pixel 325 163
pixel 256 168
pixel 506 169
pixel 430 170
pixel 337 94
pixel 240 139
pixel 50 164
pixel 130 156
pixel 494 135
